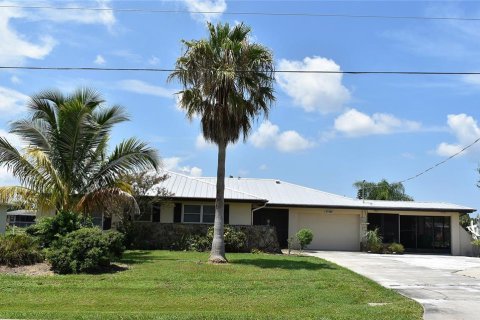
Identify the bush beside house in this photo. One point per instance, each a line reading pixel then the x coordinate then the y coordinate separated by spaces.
pixel 177 236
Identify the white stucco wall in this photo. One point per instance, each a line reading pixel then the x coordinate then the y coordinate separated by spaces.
pixel 3 218
pixel 332 229
pixel 240 213
pixel 166 212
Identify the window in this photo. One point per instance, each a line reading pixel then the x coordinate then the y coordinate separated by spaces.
pixel 156 213
pixel 208 214
pixel 192 213
pixel 198 213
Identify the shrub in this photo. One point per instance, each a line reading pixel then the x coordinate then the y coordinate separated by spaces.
pixel 49 229
pixel 304 237
pixel 235 240
pixel 395 248
pixel 19 249
pixel 373 241
pixel 85 250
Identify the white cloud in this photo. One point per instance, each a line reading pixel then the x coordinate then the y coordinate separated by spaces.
pixel 154 60
pixel 104 17
pixel 6 178
pixel 173 164
pixel 11 102
pixel 13 139
pixel 211 9
pixel 99 59
pixel 465 129
pixel 15 47
pixel 201 143
pixel 269 134
pixel 142 87
pixel 290 141
pixel 323 93
pixel 263 167
pixel 15 80
pixel 354 123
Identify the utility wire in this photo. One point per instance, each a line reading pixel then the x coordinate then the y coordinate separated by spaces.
pixel 252 13
pixel 441 162
pixel 367 188
pixel 351 72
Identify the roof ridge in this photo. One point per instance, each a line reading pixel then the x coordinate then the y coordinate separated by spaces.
pixel 325 192
pixel 212 184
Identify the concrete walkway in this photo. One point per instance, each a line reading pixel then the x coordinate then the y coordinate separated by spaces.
pixel 448 287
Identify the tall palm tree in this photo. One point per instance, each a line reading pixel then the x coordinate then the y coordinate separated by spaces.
pixel 64 164
pixel 227 81
pixel 382 190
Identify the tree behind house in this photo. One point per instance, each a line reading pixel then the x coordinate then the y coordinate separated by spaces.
pixel 382 190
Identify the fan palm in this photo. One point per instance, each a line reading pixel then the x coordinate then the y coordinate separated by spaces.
pixel 227 81
pixel 64 164
pixel 382 190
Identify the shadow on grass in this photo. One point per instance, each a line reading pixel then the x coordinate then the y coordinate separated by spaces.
pixel 287 264
pixel 139 257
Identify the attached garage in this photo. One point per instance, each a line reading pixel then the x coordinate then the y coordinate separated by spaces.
pixel 332 229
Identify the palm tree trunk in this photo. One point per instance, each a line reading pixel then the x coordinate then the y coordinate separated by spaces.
pixel 217 255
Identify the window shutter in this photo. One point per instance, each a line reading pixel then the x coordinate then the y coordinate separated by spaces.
pixel 226 214
pixel 177 213
pixel 156 213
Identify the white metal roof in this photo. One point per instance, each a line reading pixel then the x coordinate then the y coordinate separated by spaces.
pixel 281 193
pixel 183 186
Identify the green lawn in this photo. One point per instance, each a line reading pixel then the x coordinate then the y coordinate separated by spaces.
pixel 180 285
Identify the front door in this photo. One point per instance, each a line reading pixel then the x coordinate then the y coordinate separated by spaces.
pixel 274 217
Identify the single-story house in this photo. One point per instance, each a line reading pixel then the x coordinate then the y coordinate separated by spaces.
pixel 337 222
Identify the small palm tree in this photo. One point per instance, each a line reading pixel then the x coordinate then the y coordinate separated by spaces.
pixel 382 190
pixel 64 165
pixel 228 82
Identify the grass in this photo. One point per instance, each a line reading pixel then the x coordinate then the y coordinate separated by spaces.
pixel 180 285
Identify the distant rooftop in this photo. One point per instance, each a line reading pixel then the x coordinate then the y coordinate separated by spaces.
pixel 281 193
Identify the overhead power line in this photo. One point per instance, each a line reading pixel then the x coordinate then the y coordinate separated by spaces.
pixel 251 13
pixel 352 72
pixel 441 162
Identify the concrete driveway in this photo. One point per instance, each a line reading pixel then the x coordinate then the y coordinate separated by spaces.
pixel 448 287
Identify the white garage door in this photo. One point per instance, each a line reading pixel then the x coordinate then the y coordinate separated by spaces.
pixel 332 231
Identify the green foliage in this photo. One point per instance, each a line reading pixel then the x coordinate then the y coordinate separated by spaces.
pixel 395 248
pixel 68 156
pixel 382 190
pixel 373 242
pixel 476 243
pixel 19 249
pixel 235 240
pixel 304 237
pixel 85 250
pixel 49 229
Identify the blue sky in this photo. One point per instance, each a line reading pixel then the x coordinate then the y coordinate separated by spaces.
pixel 324 131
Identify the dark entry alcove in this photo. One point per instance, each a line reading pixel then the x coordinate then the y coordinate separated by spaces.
pixel 416 233
pixel 274 217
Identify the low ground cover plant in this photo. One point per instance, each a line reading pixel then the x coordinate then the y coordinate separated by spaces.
pixel 19 249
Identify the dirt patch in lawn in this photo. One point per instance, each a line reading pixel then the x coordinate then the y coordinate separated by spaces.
pixel 39 269
pixel 44 269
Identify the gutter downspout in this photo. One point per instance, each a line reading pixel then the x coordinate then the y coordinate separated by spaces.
pixel 253 210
